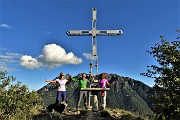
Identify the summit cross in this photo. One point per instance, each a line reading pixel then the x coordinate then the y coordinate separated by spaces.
pixel 94 62
pixel 94 32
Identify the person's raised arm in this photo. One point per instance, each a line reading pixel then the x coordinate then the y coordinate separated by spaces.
pixel 73 79
pixel 53 81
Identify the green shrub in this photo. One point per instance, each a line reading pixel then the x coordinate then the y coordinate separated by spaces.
pixel 16 101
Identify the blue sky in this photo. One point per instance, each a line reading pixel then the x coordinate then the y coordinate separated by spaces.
pixel 34 45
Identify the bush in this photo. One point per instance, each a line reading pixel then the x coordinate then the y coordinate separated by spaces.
pixel 167 79
pixel 16 100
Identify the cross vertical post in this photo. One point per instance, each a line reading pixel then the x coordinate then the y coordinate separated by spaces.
pixel 94 43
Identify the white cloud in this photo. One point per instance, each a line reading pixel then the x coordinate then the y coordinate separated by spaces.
pixel 7 58
pixel 3 66
pixel 5 26
pixel 52 56
pixel 89 56
pixel 29 62
pixel 4 50
pixel 10 57
pixel 46 32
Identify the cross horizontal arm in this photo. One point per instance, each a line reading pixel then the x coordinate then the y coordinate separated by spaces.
pixel 79 32
pixel 90 32
pixel 108 32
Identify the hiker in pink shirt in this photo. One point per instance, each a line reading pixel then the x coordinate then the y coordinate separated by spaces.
pixel 103 81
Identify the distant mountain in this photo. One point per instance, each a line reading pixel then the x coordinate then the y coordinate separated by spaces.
pixel 125 93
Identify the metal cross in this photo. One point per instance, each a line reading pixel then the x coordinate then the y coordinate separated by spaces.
pixel 94 32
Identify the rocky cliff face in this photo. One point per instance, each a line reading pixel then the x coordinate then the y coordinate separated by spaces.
pixel 125 93
pixel 129 94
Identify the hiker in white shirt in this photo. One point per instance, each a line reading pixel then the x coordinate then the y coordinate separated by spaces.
pixel 61 83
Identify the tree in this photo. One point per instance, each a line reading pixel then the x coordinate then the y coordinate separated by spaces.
pixel 16 99
pixel 166 76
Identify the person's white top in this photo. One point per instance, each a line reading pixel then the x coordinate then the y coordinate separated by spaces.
pixel 62 84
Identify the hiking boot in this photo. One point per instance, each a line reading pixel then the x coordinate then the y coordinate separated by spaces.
pixel 86 107
pixel 102 109
pixel 77 109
